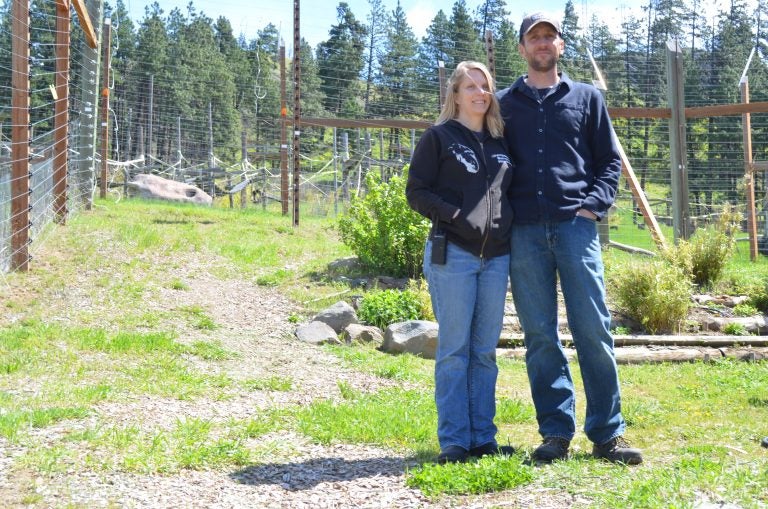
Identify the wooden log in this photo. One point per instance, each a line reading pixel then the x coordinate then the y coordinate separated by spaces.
pixel 716 341
pixel 648 355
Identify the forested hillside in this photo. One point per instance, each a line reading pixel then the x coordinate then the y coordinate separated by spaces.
pixel 178 64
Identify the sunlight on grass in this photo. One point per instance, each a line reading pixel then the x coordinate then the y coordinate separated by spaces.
pixel 485 475
pixel 394 418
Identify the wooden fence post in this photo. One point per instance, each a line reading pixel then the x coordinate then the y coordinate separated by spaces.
pixel 677 138
pixel 20 136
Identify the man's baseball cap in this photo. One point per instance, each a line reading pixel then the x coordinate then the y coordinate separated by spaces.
pixel 534 19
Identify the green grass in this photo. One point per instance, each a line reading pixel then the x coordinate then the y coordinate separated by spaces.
pixel 272 383
pixel 699 424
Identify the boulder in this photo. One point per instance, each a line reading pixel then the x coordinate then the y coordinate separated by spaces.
pixel 317 333
pixel 337 316
pixel 159 188
pixel 357 333
pixel 418 337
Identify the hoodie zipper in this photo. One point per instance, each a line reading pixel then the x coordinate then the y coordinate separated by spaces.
pixel 487 199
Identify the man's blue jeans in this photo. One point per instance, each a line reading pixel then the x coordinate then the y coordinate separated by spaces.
pixel 468 295
pixel 571 250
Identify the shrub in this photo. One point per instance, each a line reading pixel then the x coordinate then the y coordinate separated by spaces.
pixel 735 329
pixel 704 255
pixel 383 231
pixel 389 306
pixel 421 289
pixel 745 309
pixel 656 294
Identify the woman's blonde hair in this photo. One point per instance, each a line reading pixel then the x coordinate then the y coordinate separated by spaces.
pixel 450 110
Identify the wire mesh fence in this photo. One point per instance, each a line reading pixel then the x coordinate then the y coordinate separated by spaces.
pixel 187 134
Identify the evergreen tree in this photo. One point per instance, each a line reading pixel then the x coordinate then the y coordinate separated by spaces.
pixel 466 42
pixel 397 65
pixel 435 47
pixel 340 61
pixel 152 51
pixel 574 54
pixel 509 64
pixel 377 32
pixel 123 61
pixel 492 15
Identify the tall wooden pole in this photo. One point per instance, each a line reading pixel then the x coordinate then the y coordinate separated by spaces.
pixel 61 114
pixel 677 139
pixel 296 110
pixel 106 49
pixel 490 54
pixel 441 81
pixel 20 136
pixel 283 133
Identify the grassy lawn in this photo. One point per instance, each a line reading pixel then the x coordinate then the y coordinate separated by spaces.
pixel 699 424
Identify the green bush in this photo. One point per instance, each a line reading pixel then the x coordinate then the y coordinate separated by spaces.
pixel 704 255
pixel 383 231
pixel 735 329
pixel 745 309
pixel 656 294
pixel 389 306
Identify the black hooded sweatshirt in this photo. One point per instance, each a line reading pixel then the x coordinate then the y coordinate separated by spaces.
pixel 454 169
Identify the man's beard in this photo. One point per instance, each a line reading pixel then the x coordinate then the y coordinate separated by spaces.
pixel 543 65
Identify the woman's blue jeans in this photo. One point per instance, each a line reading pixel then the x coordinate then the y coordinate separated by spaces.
pixel 468 295
pixel 571 250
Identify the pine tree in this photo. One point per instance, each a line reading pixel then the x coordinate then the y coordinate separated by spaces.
pixel 435 47
pixel 377 32
pixel 340 61
pixel 466 41
pixel 397 78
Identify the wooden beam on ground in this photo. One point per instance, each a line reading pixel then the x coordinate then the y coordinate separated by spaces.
pixel 86 24
pixel 640 198
pixel 646 355
pixel 749 174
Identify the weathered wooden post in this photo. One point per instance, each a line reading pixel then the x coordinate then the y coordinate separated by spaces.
pixel 677 140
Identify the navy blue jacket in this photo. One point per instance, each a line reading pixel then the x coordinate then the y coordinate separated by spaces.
pixel 563 147
pixel 452 169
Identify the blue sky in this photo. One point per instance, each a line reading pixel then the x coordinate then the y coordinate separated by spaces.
pixel 317 16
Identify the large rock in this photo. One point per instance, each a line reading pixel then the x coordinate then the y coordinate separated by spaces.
pixel 159 188
pixel 418 337
pixel 337 316
pixel 357 333
pixel 317 333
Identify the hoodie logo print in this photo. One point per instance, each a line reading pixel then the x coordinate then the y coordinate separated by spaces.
pixel 465 156
pixel 503 161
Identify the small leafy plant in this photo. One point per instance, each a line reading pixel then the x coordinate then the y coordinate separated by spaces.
pixel 390 306
pixel 735 329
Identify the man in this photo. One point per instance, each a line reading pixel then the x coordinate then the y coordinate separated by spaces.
pixel 568 169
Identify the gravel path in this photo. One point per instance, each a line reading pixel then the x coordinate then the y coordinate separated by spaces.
pixel 252 321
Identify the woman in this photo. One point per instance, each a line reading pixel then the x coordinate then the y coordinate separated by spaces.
pixel 459 176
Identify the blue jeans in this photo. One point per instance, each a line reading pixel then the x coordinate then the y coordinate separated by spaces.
pixel 468 295
pixel 571 250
